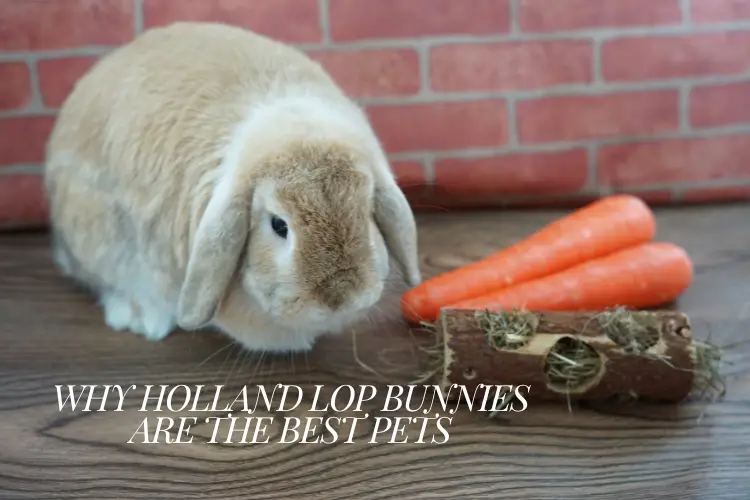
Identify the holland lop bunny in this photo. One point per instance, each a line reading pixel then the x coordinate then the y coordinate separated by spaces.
pixel 204 175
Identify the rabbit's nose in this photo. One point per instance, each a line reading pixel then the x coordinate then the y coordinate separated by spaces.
pixel 344 289
pixel 336 290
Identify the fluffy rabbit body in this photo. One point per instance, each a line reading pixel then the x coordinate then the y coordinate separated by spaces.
pixel 204 175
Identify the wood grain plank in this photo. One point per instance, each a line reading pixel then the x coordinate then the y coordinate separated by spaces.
pixel 52 333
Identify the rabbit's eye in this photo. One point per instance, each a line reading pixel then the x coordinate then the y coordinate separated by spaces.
pixel 279 226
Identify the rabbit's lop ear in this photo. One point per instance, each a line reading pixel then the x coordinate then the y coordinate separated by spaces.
pixel 214 256
pixel 395 219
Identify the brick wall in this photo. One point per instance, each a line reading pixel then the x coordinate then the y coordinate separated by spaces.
pixel 477 101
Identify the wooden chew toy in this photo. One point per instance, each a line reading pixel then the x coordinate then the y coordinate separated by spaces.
pixel 574 355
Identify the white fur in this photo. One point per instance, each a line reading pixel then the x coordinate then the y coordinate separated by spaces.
pixel 154 322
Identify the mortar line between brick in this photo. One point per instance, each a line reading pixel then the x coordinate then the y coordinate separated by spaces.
pixel 604 34
pixel 675 188
pixel 429 171
pixel 28 112
pixel 681 186
pixel 549 147
pixel 137 17
pixel 515 22
pixel 679 189
pixel 324 9
pixel 425 82
pixel 512 123
pixel 684 107
pixel 672 187
pixel 56 54
pixel 593 177
pixel 686 17
pixel 376 43
pixel 427 96
pixel 598 78
pixel 21 169
pixel 686 185
pixel 563 90
pixel 36 104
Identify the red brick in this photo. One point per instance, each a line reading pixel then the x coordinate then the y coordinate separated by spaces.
pixel 23 202
pixel 716 194
pixel 676 160
pixel 676 56
pixel 570 118
pixel 707 11
pixel 409 173
pixel 58 24
pixel 22 139
pixel 411 178
pixel 510 65
pixel 373 73
pixel 58 76
pixel 294 21
pixel 514 174
pixel 716 105
pixel 441 126
pixel 15 86
pixel 371 19
pixel 545 16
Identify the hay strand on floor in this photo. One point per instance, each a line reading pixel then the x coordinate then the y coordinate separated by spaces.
pixel 435 362
pixel 708 377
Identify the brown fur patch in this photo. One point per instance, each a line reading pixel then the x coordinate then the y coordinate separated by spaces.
pixel 329 203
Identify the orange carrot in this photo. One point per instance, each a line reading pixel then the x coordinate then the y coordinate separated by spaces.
pixel 643 276
pixel 603 227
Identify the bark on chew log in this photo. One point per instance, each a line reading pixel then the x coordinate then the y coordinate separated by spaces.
pixel 664 372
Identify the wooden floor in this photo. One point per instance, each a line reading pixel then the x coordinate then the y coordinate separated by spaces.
pixel 51 333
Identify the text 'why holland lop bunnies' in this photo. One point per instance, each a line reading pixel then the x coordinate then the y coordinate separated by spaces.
pixel 203 175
